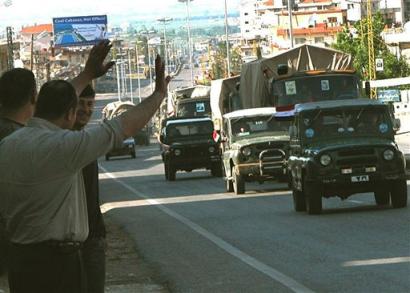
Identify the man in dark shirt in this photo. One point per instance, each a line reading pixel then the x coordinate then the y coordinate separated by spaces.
pixel 94 247
pixel 17 99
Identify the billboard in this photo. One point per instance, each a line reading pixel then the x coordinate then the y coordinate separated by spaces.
pixel 79 30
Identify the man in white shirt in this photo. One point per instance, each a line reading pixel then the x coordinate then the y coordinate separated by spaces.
pixel 42 195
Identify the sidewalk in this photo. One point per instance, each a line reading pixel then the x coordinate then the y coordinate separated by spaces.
pixel 126 270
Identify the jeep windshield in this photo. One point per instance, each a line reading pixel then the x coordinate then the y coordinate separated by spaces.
pixel 191 130
pixel 247 127
pixel 344 123
pixel 315 88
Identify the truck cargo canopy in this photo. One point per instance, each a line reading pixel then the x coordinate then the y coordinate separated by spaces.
pixel 256 76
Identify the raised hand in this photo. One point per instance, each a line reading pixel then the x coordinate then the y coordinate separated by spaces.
pixel 95 67
pixel 161 82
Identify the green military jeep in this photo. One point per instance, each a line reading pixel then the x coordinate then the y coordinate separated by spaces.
pixel 255 146
pixel 188 144
pixel 339 148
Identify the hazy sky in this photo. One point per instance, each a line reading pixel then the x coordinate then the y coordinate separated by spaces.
pixel 28 12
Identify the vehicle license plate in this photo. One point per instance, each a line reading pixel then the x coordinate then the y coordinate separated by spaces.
pixel 361 178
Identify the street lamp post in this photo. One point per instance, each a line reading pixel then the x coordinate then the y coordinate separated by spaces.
pixel 228 62
pixel 138 71
pixel 290 4
pixel 164 21
pixel 189 38
pixel 130 73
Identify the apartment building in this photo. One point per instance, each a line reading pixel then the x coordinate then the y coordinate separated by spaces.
pixel 313 21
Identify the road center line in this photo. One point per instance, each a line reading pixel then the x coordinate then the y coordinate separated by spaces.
pixel 251 261
pixel 380 261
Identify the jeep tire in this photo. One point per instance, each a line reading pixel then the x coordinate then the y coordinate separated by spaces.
pixel 382 196
pixel 166 171
pixel 313 195
pixel 399 193
pixel 299 200
pixel 171 172
pixel 238 183
pixel 216 170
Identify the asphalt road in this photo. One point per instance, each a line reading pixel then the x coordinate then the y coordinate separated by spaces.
pixel 201 239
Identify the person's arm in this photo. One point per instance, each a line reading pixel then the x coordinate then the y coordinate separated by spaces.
pixel 94 67
pixel 137 117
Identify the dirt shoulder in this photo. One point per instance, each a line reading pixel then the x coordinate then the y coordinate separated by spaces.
pixel 127 272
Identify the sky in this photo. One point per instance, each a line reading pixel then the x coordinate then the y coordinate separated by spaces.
pixel 119 12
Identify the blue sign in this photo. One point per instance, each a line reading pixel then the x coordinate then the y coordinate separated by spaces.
pixel 391 95
pixel 79 30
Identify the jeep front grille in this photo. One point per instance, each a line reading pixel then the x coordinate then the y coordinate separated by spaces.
pixel 271 159
pixel 354 157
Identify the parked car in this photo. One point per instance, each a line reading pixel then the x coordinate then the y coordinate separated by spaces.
pixel 188 144
pixel 255 147
pixel 128 148
pixel 339 148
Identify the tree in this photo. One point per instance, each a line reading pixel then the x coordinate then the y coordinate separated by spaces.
pixel 354 42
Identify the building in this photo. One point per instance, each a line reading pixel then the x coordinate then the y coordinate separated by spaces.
pixel 406 10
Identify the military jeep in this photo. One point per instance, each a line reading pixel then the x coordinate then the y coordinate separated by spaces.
pixel 255 147
pixel 188 144
pixel 339 148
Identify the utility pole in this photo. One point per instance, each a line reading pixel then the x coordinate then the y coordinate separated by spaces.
pixel 189 38
pixel 228 61
pixel 10 52
pixel 370 45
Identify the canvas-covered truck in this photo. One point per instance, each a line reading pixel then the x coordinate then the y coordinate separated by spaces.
pixel 303 74
pixel 190 102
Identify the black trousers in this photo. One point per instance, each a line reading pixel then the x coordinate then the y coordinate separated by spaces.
pixel 93 253
pixel 45 268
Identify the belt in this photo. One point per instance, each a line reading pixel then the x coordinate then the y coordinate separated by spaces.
pixel 68 246
pixel 62 244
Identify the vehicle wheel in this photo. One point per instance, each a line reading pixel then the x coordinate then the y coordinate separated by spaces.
pixel 238 183
pixel 171 172
pixel 216 170
pixel 399 194
pixel 107 157
pixel 313 196
pixel 166 171
pixel 228 182
pixel 382 197
pixel 299 201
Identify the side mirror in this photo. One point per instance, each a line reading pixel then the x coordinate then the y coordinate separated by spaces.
pixel 396 124
pixel 367 88
pixel 293 131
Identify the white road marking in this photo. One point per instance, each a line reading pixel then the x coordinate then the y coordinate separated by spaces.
pixel 251 261
pixel 380 261
pixel 180 199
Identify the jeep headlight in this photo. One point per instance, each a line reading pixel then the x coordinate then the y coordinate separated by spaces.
pixel 325 160
pixel 247 151
pixel 388 155
pixel 177 152
pixel 211 149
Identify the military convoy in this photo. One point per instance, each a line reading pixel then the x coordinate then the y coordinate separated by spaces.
pixel 299 117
